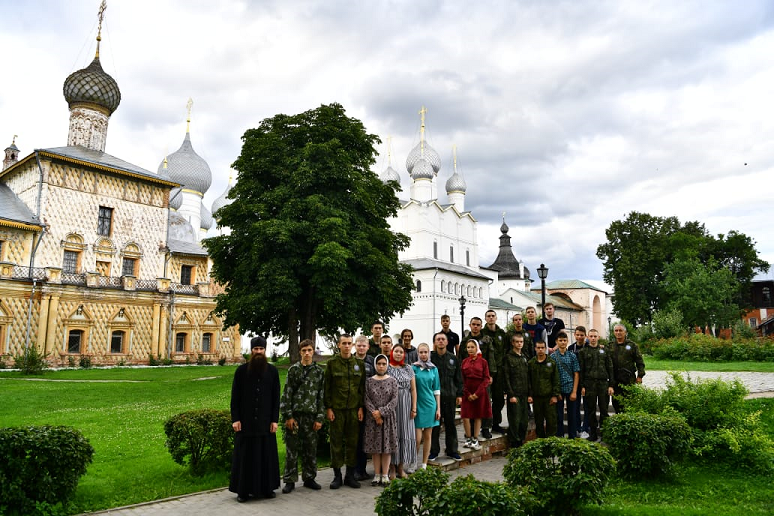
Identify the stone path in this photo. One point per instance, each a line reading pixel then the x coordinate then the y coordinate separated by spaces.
pixel 359 502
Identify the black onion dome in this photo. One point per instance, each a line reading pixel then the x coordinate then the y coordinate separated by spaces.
pixel 92 85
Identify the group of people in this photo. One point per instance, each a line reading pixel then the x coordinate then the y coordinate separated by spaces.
pixel 386 399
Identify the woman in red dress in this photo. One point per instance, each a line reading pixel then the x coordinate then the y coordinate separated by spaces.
pixel 475 399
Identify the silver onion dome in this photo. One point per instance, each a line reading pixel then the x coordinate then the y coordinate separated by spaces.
pixel 428 154
pixel 189 169
pixel 390 174
pixel 206 218
pixel 175 198
pixel 456 184
pixel 221 201
pixel 422 169
pixel 91 85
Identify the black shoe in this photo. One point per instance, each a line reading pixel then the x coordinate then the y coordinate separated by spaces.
pixel 270 494
pixel 362 475
pixel 432 456
pixel 242 499
pixel 349 479
pixel 592 437
pixel 498 429
pixel 486 434
pixel 311 484
pixel 289 486
pixel 336 478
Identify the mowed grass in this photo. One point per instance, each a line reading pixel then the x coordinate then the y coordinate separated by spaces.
pixel 121 412
pixel 655 364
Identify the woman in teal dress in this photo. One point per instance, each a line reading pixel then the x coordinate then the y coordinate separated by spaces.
pixel 428 399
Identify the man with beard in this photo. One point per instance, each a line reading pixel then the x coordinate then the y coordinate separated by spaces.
pixel 255 401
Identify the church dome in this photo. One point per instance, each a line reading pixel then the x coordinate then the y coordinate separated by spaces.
pixel 206 218
pixel 175 198
pixel 221 201
pixel 422 169
pixel 91 85
pixel 428 154
pixel 189 169
pixel 390 174
pixel 456 184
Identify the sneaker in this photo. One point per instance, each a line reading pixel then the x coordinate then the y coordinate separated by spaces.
pixel 584 435
pixel 455 456
pixel 432 456
pixel 466 444
pixel 375 482
pixel 486 434
pixel 498 429
pixel 474 444
pixel 385 480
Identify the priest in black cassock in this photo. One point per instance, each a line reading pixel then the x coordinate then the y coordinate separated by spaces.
pixel 255 400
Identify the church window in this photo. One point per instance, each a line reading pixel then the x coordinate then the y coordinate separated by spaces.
pixel 451 253
pixel 128 267
pixel 467 257
pixel 443 285
pixel 74 341
pixel 104 221
pixel 207 343
pixel 419 286
pixel 468 290
pixel 766 296
pixel 186 275
pixel 181 342
pixel 70 261
pixel 435 250
pixel 117 341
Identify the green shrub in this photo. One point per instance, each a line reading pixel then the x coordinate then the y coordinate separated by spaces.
pixel 31 361
pixel 2 363
pixel 743 331
pixel 40 465
pixel 153 361
pixel 202 360
pixel 647 444
pixel 84 362
pixel 166 361
pixel 668 324
pixel 466 496
pixel 706 348
pixel 563 474
pixel 203 439
pixel 414 496
pixel 222 361
pixel 744 445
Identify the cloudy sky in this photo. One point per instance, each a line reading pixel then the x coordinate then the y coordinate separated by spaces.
pixel 567 115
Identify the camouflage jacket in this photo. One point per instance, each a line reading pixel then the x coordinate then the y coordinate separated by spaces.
pixel 543 378
pixel 303 392
pixel 596 365
pixel 627 362
pixel 495 341
pixel 516 371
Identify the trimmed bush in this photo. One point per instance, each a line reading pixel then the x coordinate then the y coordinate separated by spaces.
pixel 414 496
pixel 706 348
pixel 563 474
pixel 647 444
pixel 32 361
pixel 40 465
pixel 202 439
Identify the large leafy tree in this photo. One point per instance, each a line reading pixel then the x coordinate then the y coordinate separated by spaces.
pixel 310 247
pixel 640 247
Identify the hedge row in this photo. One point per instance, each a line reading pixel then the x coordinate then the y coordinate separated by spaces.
pixel 699 347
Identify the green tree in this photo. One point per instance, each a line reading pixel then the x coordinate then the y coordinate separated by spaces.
pixel 704 294
pixel 310 247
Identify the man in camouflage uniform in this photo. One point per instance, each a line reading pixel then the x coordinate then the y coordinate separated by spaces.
pixel 494 339
pixel 596 381
pixel 344 388
pixel 516 375
pixel 518 328
pixel 302 410
pixel 628 365
pixel 377 329
pixel 361 352
pixel 543 390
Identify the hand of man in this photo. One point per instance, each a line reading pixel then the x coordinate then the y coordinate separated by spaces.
pixel 529 399
pixel 583 391
pixel 237 426
pixel 553 400
pixel 331 416
pixel 610 391
pixel 559 397
pixel 290 423
pixel 573 396
pixel 316 426
pixel 639 379
pixel 360 414
pixel 273 428
pixel 514 400
pixel 458 401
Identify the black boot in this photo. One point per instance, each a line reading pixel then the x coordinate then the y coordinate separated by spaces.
pixel 336 478
pixel 349 479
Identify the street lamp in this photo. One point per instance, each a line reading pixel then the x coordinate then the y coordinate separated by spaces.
pixel 543 274
pixel 462 314
pixel 609 326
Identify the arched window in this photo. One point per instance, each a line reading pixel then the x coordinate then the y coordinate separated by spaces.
pixel 435 250
pixel 419 286
pixel 443 285
pixel 451 253
pixel 467 257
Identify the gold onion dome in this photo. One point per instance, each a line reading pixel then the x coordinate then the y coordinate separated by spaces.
pixel 91 85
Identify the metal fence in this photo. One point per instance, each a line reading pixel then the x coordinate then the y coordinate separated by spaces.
pixel 70 278
pixel 145 284
pixel 179 288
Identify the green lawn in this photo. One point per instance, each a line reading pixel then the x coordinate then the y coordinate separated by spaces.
pixel 655 364
pixel 122 412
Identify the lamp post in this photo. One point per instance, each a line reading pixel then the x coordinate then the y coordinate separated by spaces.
pixel 609 327
pixel 462 315
pixel 543 274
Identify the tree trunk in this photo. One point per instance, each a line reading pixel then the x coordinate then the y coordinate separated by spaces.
pixel 293 351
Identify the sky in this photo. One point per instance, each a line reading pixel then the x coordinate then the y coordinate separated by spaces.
pixel 567 115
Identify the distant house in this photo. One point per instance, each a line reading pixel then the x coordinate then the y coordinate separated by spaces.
pixel 761 316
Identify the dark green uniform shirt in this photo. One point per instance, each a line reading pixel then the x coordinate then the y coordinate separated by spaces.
pixel 449 372
pixel 543 378
pixel 596 366
pixel 495 341
pixel 516 370
pixel 529 347
pixel 627 362
pixel 344 383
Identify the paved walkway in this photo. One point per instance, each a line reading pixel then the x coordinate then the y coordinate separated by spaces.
pixel 359 502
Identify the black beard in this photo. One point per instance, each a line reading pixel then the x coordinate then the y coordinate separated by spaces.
pixel 257 365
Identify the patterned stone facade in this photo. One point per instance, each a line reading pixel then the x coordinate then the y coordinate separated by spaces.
pixel 88 128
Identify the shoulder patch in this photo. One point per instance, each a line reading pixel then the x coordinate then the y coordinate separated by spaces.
pixel 357 367
pixel 451 361
pixel 601 351
pixel 628 346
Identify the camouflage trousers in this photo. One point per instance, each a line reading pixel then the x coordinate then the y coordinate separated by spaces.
pixel 303 442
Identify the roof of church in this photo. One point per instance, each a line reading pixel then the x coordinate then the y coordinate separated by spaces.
pixel 92 85
pixel 506 263
pixel 558 301
pixel 181 247
pixel 222 200
pixel 428 263
pixel 13 209
pixel 496 303
pixel 568 284
pixel 83 156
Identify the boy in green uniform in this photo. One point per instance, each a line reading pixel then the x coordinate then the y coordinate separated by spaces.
pixel 344 388
pixel 596 381
pixel 516 376
pixel 495 340
pixel 543 389
pixel 302 410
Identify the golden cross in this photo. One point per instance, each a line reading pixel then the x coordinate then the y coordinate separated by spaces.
pixel 454 153
pixel 101 16
pixel 14 139
pixel 188 106
pixel 422 130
